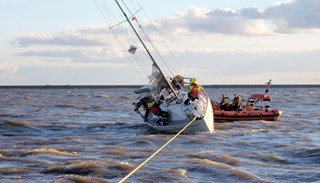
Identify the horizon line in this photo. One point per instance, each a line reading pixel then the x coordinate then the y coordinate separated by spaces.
pixel 137 86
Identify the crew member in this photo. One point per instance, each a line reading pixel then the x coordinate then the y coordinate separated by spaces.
pixel 249 105
pixel 236 102
pixel 178 82
pixel 151 105
pixel 143 102
pixel 224 103
pixel 193 91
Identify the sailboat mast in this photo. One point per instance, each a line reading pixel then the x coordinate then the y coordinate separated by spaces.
pixel 145 47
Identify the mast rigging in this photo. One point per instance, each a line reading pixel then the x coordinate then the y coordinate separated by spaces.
pixel 145 47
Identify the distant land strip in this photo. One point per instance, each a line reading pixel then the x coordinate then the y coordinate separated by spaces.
pixel 137 86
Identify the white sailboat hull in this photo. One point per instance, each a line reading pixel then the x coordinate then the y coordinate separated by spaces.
pixel 203 123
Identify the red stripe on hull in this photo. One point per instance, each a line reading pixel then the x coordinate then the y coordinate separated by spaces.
pixel 230 116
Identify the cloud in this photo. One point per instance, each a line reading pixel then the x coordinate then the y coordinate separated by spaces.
pixel 78 55
pixel 62 40
pixel 52 53
pixel 89 44
pixel 287 17
pixel 8 67
pixel 292 16
pixel 283 67
pixel 220 21
pixel 251 13
pixel 95 43
pixel 224 22
pixel 88 36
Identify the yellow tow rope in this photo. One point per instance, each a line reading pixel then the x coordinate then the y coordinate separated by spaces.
pixel 155 153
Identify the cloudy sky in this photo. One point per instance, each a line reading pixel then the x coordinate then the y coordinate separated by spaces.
pixel 218 42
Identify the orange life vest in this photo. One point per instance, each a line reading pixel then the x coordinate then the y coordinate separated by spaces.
pixel 195 90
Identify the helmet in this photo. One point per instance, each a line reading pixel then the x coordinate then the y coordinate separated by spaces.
pixel 149 97
pixel 193 80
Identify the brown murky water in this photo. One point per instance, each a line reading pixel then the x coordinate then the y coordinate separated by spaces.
pixel 93 135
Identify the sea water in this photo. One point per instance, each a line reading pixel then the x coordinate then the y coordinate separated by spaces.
pixel 93 135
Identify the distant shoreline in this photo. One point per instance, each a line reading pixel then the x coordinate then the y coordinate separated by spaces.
pixel 137 86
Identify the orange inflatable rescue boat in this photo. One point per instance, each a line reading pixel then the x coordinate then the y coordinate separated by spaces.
pixel 257 108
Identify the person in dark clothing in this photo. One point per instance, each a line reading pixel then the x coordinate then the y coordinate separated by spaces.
pixel 150 104
pixel 236 102
pixel 143 102
pixel 178 82
pixel 224 103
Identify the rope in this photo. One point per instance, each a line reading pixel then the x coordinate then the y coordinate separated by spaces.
pixel 148 159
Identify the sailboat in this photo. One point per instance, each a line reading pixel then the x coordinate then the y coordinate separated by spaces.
pixel 197 115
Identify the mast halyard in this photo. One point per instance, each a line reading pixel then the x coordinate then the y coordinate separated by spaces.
pixel 145 47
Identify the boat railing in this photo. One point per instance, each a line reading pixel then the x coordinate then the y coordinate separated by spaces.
pixel 199 106
pixel 203 102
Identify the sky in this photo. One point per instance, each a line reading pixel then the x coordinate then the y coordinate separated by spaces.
pixel 44 42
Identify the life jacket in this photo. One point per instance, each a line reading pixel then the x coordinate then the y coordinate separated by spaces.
pixel 150 104
pixel 225 101
pixel 153 108
pixel 194 90
pixel 236 101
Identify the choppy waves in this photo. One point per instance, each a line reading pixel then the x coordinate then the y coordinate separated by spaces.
pixel 86 135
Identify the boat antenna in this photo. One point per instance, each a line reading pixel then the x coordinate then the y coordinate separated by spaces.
pixel 145 47
pixel 268 86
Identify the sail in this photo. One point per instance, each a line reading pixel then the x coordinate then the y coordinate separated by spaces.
pixel 156 83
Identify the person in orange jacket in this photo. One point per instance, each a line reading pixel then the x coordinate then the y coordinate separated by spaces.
pixel 193 91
